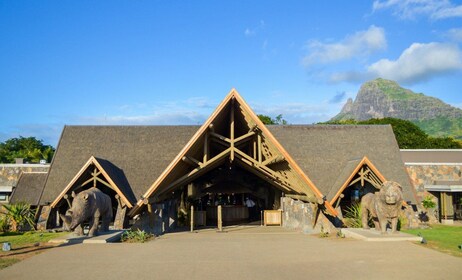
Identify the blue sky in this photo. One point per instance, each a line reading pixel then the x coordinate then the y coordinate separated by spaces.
pixel 172 62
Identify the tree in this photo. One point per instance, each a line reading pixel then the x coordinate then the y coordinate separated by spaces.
pixel 29 148
pixel 267 120
pixel 408 135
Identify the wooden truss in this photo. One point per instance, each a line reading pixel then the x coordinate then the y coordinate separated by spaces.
pixel 233 134
pixel 365 172
pixel 98 174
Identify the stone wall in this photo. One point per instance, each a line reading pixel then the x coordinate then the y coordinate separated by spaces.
pixel 9 173
pixel 162 218
pixel 422 175
pixel 300 216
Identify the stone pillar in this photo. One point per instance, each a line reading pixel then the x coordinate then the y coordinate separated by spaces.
pixel 120 215
pixel 43 217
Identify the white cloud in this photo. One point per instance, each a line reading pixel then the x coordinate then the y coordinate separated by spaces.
pixel 250 32
pixel 409 9
pixel 419 62
pixel 455 34
pixel 359 44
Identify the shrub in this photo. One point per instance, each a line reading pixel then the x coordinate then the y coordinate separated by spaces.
pixel 4 223
pixel 19 215
pixel 136 236
pixel 428 202
pixel 353 216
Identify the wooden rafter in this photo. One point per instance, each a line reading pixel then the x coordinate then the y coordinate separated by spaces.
pixel 244 138
pixel 273 160
pixel 267 171
pixel 192 161
pixel 197 171
pixel 366 174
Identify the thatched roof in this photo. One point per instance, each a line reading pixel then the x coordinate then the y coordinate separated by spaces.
pixel 136 155
pixel 145 161
pixel 29 188
pixel 327 153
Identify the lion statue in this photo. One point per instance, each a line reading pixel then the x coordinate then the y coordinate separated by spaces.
pixel 384 206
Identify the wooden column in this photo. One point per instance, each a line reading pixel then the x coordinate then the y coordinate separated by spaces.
pixel 206 148
pixel 220 219
pixel 231 157
pixel 259 148
pixel 192 218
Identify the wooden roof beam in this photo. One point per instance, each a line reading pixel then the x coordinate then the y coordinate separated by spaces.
pixel 192 161
pixel 267 171
pixel 221 137
pixel 273 160
pixel 244 138
pixel 267 177
pixel 196 171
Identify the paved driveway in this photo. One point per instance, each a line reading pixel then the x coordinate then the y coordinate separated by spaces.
pixel 241 253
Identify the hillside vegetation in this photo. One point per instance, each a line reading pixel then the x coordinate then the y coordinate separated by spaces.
pixel 408 135
pixel 382 98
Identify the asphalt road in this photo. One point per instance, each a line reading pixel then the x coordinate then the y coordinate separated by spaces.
pixel 241 253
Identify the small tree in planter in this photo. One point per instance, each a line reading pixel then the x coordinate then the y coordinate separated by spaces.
pixel 429 206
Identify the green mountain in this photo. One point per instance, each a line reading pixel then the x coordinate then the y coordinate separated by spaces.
pixel 382 98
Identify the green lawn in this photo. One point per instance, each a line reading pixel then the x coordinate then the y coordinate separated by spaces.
pixel 18 240
pixel 23 245
pixel 442 238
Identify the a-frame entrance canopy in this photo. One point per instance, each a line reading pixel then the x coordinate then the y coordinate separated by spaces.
pixel 356 171
pixel 97 172
pixel 233 136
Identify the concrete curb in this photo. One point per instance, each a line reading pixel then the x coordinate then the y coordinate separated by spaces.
pixel 373 235
pixel 105 237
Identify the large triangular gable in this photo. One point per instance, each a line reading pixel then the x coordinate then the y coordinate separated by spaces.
pixel 376 178
pixel 233 128
pixel 109 182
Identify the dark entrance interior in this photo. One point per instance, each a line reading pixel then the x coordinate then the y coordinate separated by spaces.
pixel 242 195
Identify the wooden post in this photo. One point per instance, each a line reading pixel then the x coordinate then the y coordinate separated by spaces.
pixel 206 148
pixel 192 218
pixel 231 133
pixel 220 220
pixel 259 148
pixel 66 197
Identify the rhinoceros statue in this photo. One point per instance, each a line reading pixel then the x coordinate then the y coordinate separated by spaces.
pixel 89 206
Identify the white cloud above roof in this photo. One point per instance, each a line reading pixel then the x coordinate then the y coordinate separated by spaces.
pixel 410 9
pixel 419 62
pixel 358 44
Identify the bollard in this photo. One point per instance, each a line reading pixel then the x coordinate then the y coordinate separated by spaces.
pixel 220 220
pixel 6 246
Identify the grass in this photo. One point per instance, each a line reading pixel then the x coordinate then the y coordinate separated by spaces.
pixel 24 245
pixel 19 240
pixel 443 238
